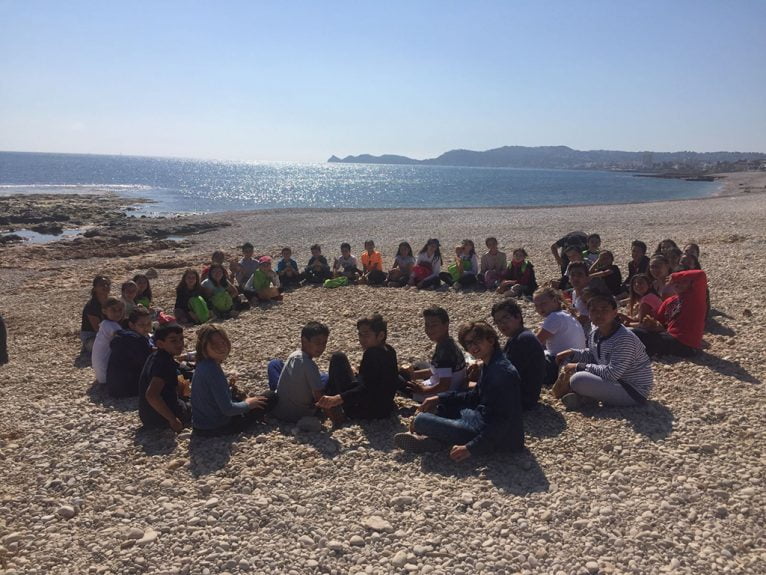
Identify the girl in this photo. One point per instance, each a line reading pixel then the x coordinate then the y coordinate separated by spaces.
pixel 114 311
pixel 605 269
pixel 144 294
pixel 425 272
pixel 217 408
pixel 692 249
pixel 558 331
pixel 659 271
pixel 665 245
pixel 129 350
pixel 190 306
pixel 218 291
pixel 463 272
pixel 92 315
pixel 520 276
pixel 128 293
pixel 643 301
pixel 614 369
pixel 403 263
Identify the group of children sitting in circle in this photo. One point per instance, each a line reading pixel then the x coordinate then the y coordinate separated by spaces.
pixel 470 401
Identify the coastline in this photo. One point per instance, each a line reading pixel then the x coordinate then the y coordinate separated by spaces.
pixel 655 483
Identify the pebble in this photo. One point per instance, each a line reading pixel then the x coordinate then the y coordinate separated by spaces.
pixel 592 567
pixel 356 541
pixel 134 533
pixel 401 501
pixel 66 511
pixel 335 545
pixel 148 536
pixel 399 559
pixel 306 541
pixel 377 523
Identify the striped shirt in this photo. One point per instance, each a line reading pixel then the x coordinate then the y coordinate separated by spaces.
pixel 618 357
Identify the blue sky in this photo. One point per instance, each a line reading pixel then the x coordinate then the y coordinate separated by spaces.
pixel 299 81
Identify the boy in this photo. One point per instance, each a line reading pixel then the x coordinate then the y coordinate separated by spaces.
pixel 638 264
pixel 578 277
pixel 246 266
pixel 264 283
pixel 493 264
pixel 114 311
pixel 287 269
pixel 218 257
pixel 522 349
pixel 370 394
pixel 577 240
pixel 159 403
pixel 481 420
pixel 346 264
pixel 447 371
pixel 372 265
pixel 573 254
pixel 298 383
pixel 590 255
pixel 317 270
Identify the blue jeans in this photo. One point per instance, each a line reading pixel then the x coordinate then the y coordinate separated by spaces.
pixel 274 370
pixel 442 426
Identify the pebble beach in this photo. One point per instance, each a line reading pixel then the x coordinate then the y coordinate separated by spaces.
pixel 675 486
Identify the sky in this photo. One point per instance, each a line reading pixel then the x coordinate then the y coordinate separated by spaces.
pixel 300 81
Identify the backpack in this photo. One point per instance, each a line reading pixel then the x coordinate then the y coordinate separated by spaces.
pixel 198 306
pixel 222 301
pixel 336 282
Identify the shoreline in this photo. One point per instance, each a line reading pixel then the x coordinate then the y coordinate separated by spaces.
pixel 732 184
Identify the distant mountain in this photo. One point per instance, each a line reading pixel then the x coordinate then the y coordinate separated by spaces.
pixel 563 157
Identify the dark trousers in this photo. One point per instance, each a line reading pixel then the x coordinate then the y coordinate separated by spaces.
pixel 662 343
pixel 3 342
pixel 551 370
pixel 240 423
pixel 340 375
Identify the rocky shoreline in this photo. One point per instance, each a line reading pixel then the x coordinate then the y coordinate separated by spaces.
pixel 675 486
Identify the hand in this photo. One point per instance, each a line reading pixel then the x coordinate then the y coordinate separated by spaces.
pixel 429 404
pixel 176 425
pixel 416 387
pixel 330 401
pixel 459 453
pixel 562 356
pixel 257 402
pixel 570 368
pixel 473 371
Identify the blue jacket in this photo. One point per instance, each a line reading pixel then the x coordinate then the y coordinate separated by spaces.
pixel 497 397
pixel 212 406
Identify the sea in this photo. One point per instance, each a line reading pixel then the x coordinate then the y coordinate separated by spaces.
pixel 202 186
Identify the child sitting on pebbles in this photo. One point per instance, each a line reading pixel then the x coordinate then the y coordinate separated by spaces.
pixel 217 406
pixel 160 398
pixel 130 349
pixel 298 382
pixel 481 420
pixel 114 312
pixel 614 369
pixel 370 393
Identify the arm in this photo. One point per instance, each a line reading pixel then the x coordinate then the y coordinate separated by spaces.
pixel 543 335
pixel 94 322
pixel 620 361
pixel 555 252
pixel 154 397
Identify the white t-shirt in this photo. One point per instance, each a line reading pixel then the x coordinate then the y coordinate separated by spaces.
pixel 101 350
pixel 567 333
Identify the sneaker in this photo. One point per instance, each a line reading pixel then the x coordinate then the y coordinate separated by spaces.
pixel 571 401
pixel 417 443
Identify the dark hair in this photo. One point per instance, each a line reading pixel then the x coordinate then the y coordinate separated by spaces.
pixel 482 330
pixel 217 253
pixel 375 322
pixel 470 243
pixel 147 293
pixel 406 245
pixel 345 245
pixel 182 290
pixel 315 247
pixel 659 258
pixel 204 335
pixel 224 280
pixel 634 298
pixel 695 263
pixel 247 246
pixel 313 329
pixel 138 312
pixel 522 250
pixel 609 253
pixel 112 301
pixel 286 248
pixel 126 285
pixel 695 247
pixel 164 331
pixel 437 253
pixel 578 266
pixel 602 297
pixel 676 252
pixel 640 245
pixel 438 312
pixel 593 237
pixel 368 242
pixel 660 249
pixel 510 307
pixel 98 280
pixel 490 239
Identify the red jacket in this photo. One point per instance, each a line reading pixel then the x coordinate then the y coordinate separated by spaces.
pixel 683 315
